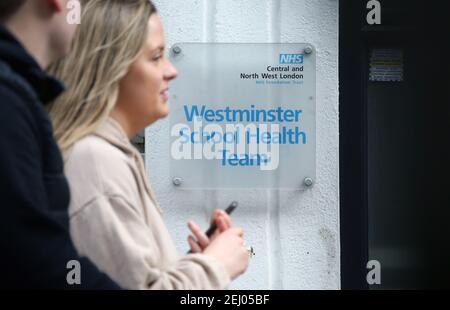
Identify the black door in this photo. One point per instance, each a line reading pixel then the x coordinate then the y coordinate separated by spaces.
pixel 394 138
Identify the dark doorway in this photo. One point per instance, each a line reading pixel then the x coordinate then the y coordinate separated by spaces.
pixel 394 138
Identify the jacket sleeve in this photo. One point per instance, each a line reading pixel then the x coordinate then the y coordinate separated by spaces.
pixel 35 244
pixel 124 248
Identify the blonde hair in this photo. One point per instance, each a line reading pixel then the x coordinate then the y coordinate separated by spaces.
pixel 108 40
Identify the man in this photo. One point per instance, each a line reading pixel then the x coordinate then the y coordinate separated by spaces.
pixel 35 245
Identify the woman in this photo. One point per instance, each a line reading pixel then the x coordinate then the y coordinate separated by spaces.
pixel 117 78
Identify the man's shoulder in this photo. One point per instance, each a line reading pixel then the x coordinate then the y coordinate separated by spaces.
pixel 15 93
pixel 15 110
pixel 14 86
pixel 19 103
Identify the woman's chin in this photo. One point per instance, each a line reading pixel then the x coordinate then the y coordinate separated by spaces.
pixel 164 112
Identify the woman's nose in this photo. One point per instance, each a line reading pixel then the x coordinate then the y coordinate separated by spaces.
pixel 171 71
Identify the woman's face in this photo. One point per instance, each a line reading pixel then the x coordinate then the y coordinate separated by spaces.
pixel 144 91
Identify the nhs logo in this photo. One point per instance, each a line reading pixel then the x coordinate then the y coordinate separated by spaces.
pixel 291 59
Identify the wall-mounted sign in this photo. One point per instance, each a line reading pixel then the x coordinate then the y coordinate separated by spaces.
pixel 243 116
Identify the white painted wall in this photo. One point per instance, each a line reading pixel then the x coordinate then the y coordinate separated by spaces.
pixel 295 234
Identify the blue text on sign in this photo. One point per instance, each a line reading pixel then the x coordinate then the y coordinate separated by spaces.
pixel 291 59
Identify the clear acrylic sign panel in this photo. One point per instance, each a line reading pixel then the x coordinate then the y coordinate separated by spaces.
pixel 243 116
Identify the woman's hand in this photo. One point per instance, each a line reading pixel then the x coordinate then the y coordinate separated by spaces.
pixel 198 241
pixel 229 249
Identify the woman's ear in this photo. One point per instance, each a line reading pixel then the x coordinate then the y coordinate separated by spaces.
pixel 56 5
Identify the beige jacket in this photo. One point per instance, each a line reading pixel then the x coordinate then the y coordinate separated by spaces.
pixel 116 221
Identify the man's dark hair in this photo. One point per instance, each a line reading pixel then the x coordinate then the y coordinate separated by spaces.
pixel 9 7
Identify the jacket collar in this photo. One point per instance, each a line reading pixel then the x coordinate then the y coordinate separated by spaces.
pixel 111 131
pixel 20 61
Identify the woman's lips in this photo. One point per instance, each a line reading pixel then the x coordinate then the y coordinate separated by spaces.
pixel 165 95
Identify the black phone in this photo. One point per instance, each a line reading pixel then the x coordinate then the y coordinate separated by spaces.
pixel 213 226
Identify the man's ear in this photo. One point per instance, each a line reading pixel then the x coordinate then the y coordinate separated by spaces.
pixel 56 5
